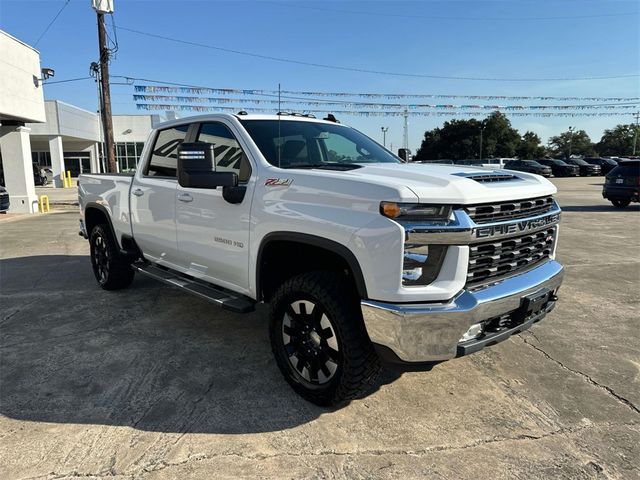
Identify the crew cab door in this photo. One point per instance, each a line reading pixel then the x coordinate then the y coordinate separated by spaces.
pixel 153 198
pixel 213 234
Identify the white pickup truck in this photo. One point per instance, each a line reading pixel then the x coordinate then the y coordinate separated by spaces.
pixel 364 260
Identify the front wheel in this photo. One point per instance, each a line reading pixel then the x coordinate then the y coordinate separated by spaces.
pixel 319 339
pixel 111 269
pixel 620 203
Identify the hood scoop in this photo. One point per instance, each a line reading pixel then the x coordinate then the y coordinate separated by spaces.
pixel 488 177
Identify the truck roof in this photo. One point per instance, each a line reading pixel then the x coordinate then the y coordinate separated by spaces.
pixel 244 116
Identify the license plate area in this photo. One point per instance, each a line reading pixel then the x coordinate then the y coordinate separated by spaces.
pixel 532 305
pixel 619 180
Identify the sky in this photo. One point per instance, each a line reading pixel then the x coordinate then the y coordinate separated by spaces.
pixel 486 39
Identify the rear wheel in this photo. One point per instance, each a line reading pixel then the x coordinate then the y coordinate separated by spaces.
pixel 620 203
pixel 111 269
pixel 319 339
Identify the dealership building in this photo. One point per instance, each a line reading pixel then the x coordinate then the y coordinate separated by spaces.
pixel 51 133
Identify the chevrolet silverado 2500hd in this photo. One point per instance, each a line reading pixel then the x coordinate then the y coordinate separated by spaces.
pixel 363 259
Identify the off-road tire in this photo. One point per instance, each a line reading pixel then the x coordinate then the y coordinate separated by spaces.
pixel 358 366
pixel 111 269
pixel 620 203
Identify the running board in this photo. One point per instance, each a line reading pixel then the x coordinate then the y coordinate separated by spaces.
pixel 226 299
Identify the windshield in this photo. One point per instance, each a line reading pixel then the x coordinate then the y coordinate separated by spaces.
pixel 558 162
pixel 302 144
pixel 578 161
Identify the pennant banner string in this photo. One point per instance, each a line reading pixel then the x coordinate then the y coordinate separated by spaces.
pixel 186 99
pixel 365 113
pixel 389 96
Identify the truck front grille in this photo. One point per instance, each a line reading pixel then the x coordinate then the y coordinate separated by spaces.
pixel 498 211
pixel 490 260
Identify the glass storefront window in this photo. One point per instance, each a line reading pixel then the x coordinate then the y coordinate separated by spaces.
pixel 128 155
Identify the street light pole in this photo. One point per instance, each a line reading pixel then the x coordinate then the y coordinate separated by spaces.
pixel 481 132
pixel 635 135
pixel 384 135
pixel 570 140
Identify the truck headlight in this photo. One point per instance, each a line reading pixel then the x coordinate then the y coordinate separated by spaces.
pixel 415 211
pixel 421 263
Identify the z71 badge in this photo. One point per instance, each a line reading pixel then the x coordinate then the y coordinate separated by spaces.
pixel 278 182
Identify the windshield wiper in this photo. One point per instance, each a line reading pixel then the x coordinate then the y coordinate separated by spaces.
pixel 327 166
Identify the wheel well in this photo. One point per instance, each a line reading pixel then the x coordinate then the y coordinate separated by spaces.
pixel 280 260
pixel 95 216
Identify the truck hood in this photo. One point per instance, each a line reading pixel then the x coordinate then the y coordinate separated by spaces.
pixel 456 184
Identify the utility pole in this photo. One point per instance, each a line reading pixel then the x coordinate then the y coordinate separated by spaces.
pixel 384 135
pixel 107 121
pixel 635 135
pixel 570 140
pixel 405 139
pixel 481 132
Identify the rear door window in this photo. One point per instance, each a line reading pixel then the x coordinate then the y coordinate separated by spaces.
pixel 164 157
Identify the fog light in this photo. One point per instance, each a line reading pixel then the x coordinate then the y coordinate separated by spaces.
pixel 474 331
pixel 421 263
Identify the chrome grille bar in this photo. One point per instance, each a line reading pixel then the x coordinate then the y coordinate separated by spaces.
pixel 489 261
pixel 491 212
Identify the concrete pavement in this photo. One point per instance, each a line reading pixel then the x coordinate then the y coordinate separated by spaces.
pixel 152 383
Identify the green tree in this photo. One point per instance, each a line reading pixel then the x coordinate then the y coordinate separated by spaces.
pixel 571 143
pixel 460 139
pixel 618 141
pixel 500 139
pixel 456 139
pixel 530 147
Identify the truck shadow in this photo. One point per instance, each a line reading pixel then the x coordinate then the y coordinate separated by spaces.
pixel 149 357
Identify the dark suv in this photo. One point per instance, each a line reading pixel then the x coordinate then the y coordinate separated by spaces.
pixel 530 166
pixel 586 169
pixel 560 168
pixel 4 200
pixel 622 184
pixel 606 164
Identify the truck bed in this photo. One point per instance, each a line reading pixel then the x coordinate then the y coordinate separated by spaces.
pixel 109 191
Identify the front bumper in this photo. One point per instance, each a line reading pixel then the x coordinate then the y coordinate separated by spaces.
pixel 432 332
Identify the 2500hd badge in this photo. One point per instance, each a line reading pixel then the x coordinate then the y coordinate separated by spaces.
pixel 517 227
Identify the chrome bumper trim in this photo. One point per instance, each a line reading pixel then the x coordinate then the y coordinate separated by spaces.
pixel 462 230
pixel 430 332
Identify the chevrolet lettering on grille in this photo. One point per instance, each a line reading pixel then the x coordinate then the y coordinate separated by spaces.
pixel 521 226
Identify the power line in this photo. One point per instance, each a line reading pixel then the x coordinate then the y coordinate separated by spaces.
pixel 440 17
pixel 363 70
pixel 51 22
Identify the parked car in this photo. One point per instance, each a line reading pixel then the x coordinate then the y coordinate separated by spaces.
pixel 606 164
pixel 586 169
pixel 530 166
pixel 39 175
pixel 4 200
pixel 495 162
pixel 362 258
pixel 560 168
pixel 622 184
pixel 48 174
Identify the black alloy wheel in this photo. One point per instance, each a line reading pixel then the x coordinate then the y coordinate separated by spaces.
pixel 319 339
pixel 112 269
pixel 310 342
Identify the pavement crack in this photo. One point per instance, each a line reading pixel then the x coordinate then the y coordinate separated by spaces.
pixel 586 377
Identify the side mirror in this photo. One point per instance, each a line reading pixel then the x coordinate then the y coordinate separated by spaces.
pixel 197 167
pixel 405 154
